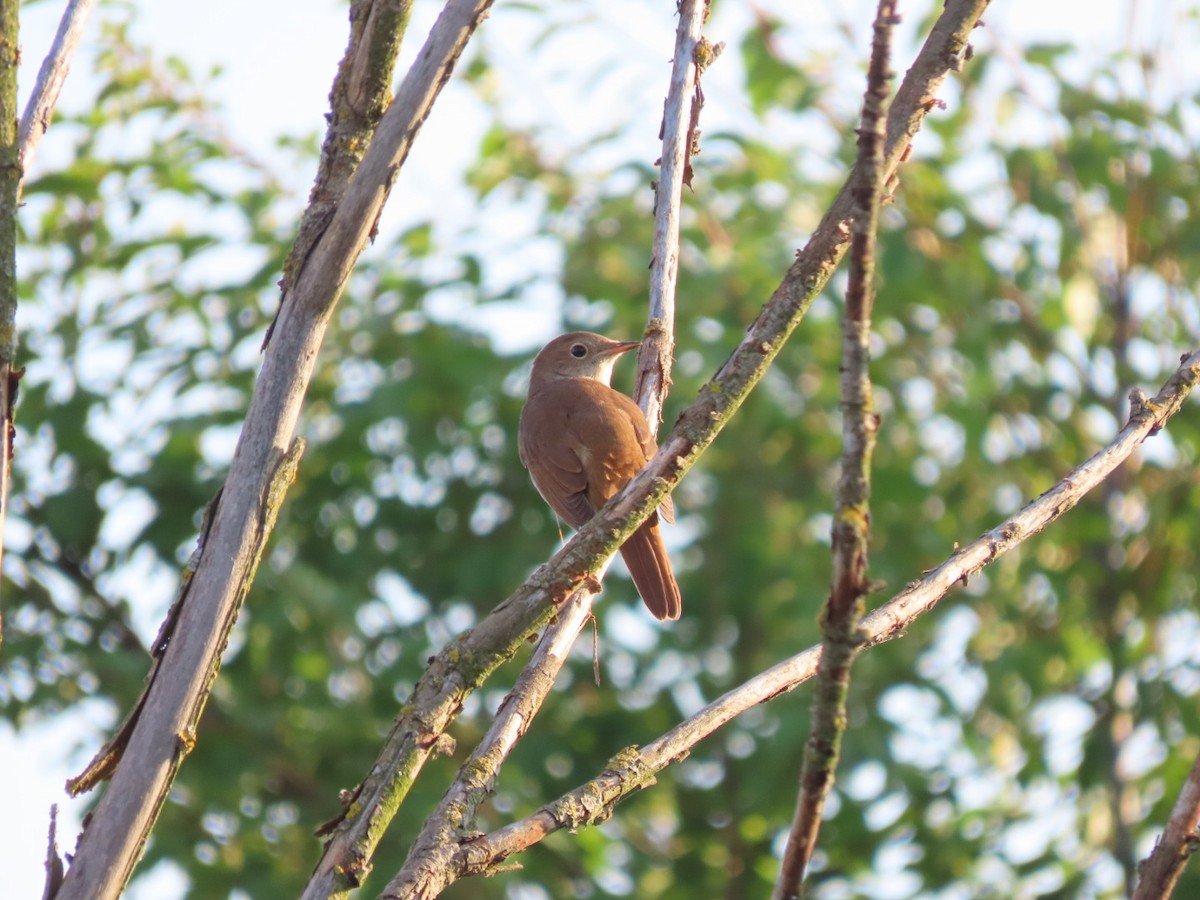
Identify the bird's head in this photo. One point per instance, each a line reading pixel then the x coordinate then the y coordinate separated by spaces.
pixel 579 354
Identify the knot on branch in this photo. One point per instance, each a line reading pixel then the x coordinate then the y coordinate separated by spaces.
pixel 589 807
pixel 705 53
pixel 1142 408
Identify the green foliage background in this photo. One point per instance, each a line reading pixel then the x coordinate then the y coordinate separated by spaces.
pixel 1026 739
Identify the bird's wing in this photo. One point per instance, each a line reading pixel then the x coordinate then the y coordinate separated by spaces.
pixel 622 417
pixel 553 461
pixel 641 429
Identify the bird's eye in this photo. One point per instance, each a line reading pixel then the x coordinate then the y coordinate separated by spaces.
pixel 578 351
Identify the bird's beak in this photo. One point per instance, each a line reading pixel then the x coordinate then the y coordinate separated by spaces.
pixel 616 349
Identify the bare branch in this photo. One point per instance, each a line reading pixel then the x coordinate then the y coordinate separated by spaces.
pixel 360 96
pixel 633 769
pixel 10 189
pixel 844 609
pixel 160 730
pixel 679 133
pixel 52 75
pixel 426 872
pixel 254 488
pixel 1159 872
pixel 466 662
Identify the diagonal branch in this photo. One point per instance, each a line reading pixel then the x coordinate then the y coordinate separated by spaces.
pixel 263 464
pixel 1158 873
pixel 466 662
pixel 843 612
pixel 40 107
pixel 360 96
pixel 426 872
pixel 633 769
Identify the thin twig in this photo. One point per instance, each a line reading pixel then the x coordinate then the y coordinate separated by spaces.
pixel 53 864
pixel 439 693
pixel 1159 872
pixel 51 77
pixel 678 135
pixel 634 769
pixel 254 489
pixel 843 611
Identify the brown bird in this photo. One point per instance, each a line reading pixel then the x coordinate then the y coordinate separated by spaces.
pixel 582 442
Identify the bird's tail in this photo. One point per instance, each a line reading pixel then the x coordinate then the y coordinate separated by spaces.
pixel 647 561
